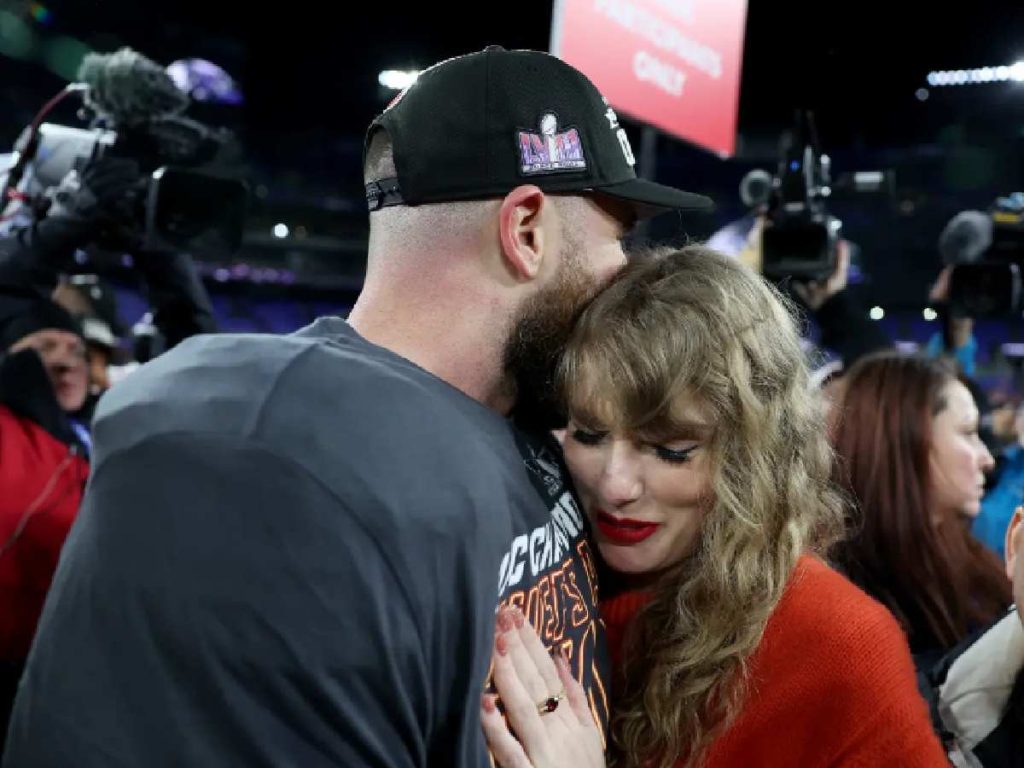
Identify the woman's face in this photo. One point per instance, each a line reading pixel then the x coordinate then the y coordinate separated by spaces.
pixel 958 459
pixel 646 497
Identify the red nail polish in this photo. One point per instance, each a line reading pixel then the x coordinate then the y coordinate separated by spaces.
pixel 487 703
pixel 501 645
pixel 518 618
pixel 504 621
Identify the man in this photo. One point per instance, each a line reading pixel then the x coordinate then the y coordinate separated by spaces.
pixel 292 549
pixel 43 465
pixel 976 691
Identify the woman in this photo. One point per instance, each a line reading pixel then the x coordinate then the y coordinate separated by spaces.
pixel 700 456
pixel 911 460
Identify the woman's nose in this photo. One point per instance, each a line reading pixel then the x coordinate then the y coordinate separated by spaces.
pixel 621 477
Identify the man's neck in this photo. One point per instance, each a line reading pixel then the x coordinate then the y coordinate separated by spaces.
pixel 456 344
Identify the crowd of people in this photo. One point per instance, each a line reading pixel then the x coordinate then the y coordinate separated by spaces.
pixel 538 501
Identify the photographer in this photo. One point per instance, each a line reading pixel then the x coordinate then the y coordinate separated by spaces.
pixel 142 179
pixel 96 206
pixel 843 323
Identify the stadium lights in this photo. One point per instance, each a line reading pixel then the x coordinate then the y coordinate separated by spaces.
pixel 397 79
pixel 1003 74
pixel 876 313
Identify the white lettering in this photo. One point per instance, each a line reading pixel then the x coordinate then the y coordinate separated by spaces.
pixel 548 558
pixel 680 9
pixel 544 546
pixel 563 521
pixel 661 34
pixel 503 572
pixel 518 550
pixel 561 542
pixel 536 558
pixel 612 118
pixel 626 149
pixel 568 504
pixel 650 69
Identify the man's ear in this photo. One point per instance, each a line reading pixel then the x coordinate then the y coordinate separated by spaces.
pixel 1014 541
pixel 522 222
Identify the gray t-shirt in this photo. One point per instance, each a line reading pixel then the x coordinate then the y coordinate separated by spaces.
pixel 290 554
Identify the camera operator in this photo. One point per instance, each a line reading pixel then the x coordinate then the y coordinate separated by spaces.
pixel 142 179
pixel 96 205
pixel 842 321
pixel 794 241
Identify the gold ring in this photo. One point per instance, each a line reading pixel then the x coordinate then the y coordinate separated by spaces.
pixel 550 704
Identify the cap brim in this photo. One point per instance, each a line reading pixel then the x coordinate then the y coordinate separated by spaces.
pixel 649 199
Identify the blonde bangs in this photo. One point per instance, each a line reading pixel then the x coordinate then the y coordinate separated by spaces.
pixel 629 371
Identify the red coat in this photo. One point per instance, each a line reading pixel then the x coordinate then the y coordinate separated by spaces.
pixel 831 684
pixel 41 485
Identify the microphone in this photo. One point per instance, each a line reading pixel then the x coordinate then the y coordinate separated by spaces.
pixel 128 88
pixel 756 188
pixel 965 238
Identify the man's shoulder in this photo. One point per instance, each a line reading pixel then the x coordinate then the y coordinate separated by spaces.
pixel 370 425
pixel 233 382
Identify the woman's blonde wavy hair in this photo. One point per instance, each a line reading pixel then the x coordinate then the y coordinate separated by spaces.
pixel 692 324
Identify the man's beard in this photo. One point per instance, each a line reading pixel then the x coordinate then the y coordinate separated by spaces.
pixel 537 341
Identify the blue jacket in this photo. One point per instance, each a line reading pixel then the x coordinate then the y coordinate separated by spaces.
pixel 998 505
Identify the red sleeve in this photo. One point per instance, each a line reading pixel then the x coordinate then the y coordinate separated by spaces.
pixel 41 485
pixel 895 728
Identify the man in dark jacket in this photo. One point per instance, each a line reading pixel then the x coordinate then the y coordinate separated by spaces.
pixel 977 691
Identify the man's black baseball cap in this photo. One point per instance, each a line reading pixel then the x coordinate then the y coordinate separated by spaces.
pixel 477 126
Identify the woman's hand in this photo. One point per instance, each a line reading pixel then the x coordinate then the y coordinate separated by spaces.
pixel 544 704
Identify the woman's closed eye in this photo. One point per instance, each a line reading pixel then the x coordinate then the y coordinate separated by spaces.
pixel 674 455
pixel 587 437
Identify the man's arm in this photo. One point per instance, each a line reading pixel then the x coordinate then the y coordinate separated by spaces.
pixel 180 303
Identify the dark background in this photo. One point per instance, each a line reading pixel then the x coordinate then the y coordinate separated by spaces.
pixel 309 76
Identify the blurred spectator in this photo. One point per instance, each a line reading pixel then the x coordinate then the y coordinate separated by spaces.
pixel 43 465
pixel 910 457
pixel 956 337
pixel 91 301
pixel 999 504
pixel 977 690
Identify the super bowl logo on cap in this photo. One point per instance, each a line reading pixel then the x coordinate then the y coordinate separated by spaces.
pixel 550 151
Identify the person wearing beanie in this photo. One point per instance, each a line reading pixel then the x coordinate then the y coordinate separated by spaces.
pixel 43 465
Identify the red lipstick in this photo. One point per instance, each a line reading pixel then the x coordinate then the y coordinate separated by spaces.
pixel 623 530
